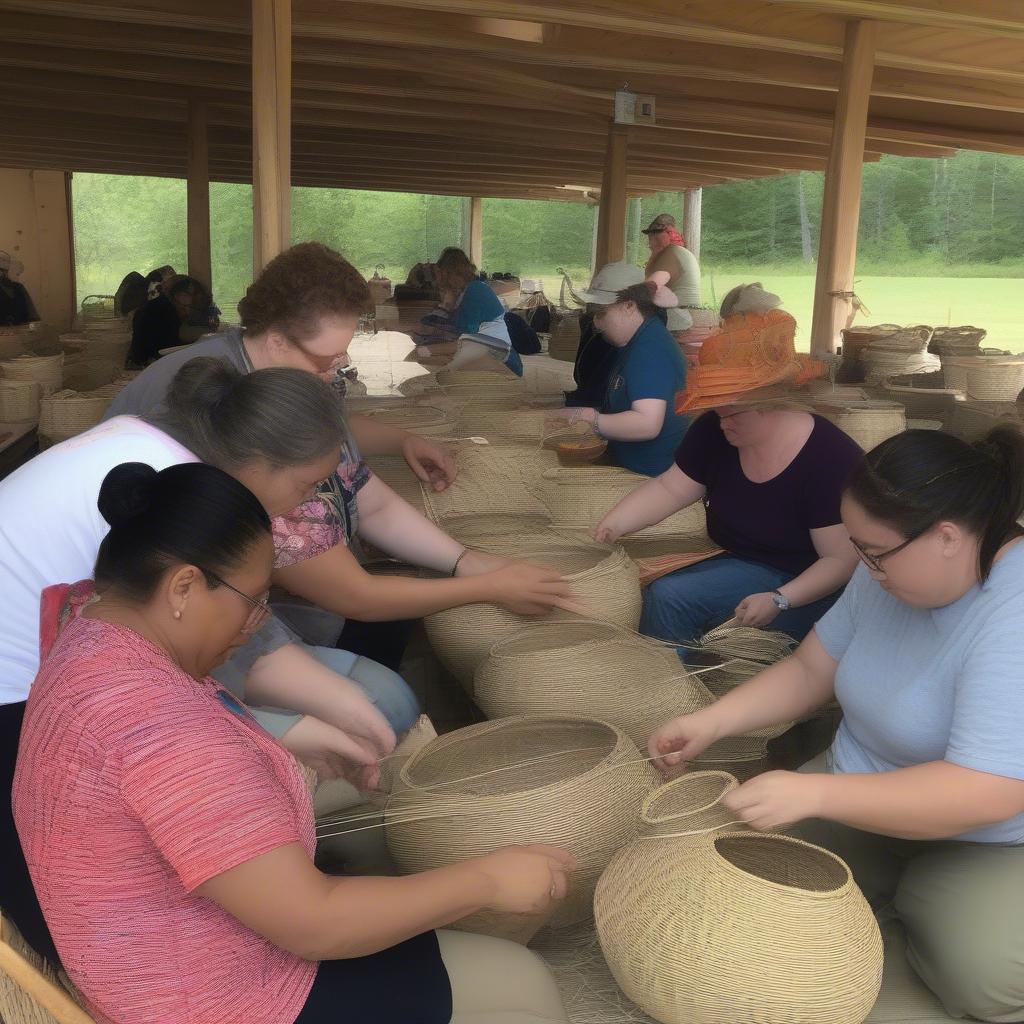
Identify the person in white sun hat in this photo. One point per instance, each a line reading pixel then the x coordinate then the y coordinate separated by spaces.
pixel 637 415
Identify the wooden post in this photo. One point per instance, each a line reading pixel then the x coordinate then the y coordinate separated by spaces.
pixel 692 200
pixel 198 191
pixel 475 238
pixel 611 230
pixel 271 129
pixel 837 247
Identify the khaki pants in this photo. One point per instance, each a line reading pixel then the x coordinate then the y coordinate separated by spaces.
pixel 498 982
pixel 962 905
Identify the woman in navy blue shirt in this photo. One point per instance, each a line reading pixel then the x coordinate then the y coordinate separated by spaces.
pixel 771 479
pixel 637 416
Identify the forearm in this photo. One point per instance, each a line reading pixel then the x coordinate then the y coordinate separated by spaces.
pixel 785 692
pixel 650 503
pixel 376 438
pixel 628 426
pixel 394 526
pixel 937 800
pixel 824 577
pixel 365 915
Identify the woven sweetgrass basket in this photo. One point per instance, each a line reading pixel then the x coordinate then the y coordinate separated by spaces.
pixel 606 583
pixel 564 341
pixel 869 423
pixel 587 667
pixel 19 401
pixel 579 498
pixel 13 341
pixel 67 413
pixel 395 472
pixel 488 530
pixel 46 371
pixel 743 926
pixel 492 478
pixel 986 378
pixel 956 341
pixel 426 420
pixel 576 783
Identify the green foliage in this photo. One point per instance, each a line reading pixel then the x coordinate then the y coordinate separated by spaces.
pixel 962 216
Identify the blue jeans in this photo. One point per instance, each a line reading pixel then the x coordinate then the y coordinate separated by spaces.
pixel 386 689
pixel 684 605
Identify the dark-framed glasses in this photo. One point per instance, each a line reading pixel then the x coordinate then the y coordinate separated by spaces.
pixel 260 609
pixel 874 562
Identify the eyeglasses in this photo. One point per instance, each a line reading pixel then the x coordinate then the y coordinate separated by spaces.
pixel 260 609
pixel 874 562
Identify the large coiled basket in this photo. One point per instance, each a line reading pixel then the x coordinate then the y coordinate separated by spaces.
pixel 588 667
pixel 701 925
pixel 606 583
pixel 576 783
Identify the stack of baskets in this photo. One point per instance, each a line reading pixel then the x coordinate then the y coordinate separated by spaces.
pixel 989 376
pixel 956 341
pixel 902 351
pixel 869 423
pixel 46 371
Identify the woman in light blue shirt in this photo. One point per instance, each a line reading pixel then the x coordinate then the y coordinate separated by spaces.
pixel 922 791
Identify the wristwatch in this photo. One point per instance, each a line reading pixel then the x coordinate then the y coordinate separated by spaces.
pixel 781 601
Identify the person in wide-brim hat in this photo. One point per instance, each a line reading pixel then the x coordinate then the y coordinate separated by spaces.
pixel 770 473
pixel 636 414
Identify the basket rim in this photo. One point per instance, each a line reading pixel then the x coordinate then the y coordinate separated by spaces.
pixel 615 734
pixel 729 783
pixel 773 838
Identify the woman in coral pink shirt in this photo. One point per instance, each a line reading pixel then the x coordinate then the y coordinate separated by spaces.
pixel 170 838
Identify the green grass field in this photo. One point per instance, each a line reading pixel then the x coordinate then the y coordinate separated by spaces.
pixel 995 303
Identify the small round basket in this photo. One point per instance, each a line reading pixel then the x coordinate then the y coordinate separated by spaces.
pixel 869 422
pixel 67 413
pixel 606 583
pixel 576 783
pixel 739 926
pixel 19 401
pixel 588 667
pixel 992 377
pixel 588 449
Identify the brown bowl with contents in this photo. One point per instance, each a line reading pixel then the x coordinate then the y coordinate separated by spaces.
pixel 588 449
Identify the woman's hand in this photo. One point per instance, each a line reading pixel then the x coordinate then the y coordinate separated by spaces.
pixel 430 462
pixel 528 589
pixel 354 714
pixel 682 739
pixel 333 754
pixel 777 800
pixel 757 610
pixel 527 879
pixel 611 527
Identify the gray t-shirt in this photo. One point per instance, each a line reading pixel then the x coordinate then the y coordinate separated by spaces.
pixel 146 395
pixel 932 684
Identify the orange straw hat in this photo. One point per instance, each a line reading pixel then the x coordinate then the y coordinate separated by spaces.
pixel 748 363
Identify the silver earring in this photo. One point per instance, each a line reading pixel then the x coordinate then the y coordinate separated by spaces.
pixel 177 614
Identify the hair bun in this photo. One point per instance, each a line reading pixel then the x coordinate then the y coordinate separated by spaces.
pixel 201 385
pixel 127 492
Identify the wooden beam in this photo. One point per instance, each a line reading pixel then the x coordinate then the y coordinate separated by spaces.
pixel 1000 17
pixel 837 249
pixel 474 237
pixel 692 201
pixel 200 265
pixel 271 144
pixel 611 231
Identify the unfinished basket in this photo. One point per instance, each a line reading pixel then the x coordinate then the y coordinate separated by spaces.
pixel 868 423
pixel 395 472
pixel 46 371
pixel 606 584
pixel 742 927
pixel 19 401
pixel 579 498
pixel 986 378
pixel 493 478
pixel 588 667
pixel 576 783
pixel 485 530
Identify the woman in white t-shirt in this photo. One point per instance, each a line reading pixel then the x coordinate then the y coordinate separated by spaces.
pixel 922 791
